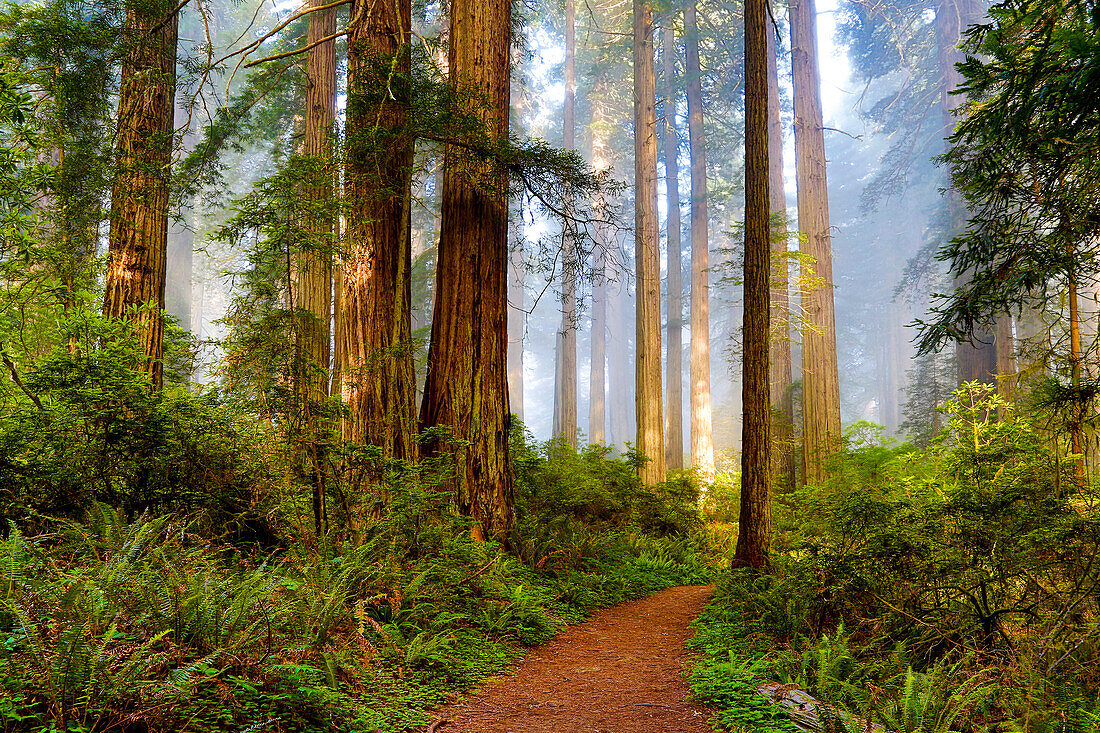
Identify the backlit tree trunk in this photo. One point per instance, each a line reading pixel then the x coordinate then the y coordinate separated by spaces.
pixel 138 246
pixel 702 441
pixel 780 375
pixel 310 290
pixel 820 381
pixel 674 388
pixel 754 523
pixel 467 385
pixel 605 241
pixel 565 381
pixel 647 367
pixel 977 359
pixel 377 377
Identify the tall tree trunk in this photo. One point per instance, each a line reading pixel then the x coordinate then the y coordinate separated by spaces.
pixel 310 290
pixel 620 386
pixel 674 386
pixel 377 377
pixel 467 382
pixel 138 246
pixel 780 376
pixel 702 441
pixel 517 323
pixel 976 359
pixel 605 241
pixel 565 382
pixel 820 380
pixel 597 375
pixel 754 523
pixel 647 366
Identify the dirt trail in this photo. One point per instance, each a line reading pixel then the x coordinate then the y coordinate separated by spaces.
pixel 619 672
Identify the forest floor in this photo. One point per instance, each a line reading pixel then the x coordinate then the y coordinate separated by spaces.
pixel 618 672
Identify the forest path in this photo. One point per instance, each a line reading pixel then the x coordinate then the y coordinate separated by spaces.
pixel 618 672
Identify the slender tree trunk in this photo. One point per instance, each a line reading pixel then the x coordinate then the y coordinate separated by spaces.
pixel 780 376
pixel 754 523
pixel 620 385
pixel 674 386
pixel 647 366
pixel 138 245
pixel 517 324
pixel 702 442
pixel 1076 421
pixel 311 275
pixel 377 377
pixel 467 384
pixel 820 380
pixel 976 359
pixel 565 382
pixel 605 241
pixel 597 376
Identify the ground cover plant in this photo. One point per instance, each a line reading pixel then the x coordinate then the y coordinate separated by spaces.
pixel 952 588
pixel 161 613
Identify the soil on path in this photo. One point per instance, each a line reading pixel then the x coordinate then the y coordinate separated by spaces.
pixel 618 672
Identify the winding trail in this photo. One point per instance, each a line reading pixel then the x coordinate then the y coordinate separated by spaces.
pixel 618 672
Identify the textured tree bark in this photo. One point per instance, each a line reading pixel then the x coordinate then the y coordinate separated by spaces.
pixel 702 441
pixel 138 246
pixel 647 366
pixel 310 291
pixel 820 381
pixel 377 378
pixel 674 384
pixel 780 375
pixel 565 362
pixel 467 386
pixel 754 522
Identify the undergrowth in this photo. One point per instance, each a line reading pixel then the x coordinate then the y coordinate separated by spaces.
pixel 947 589
pixel 146 623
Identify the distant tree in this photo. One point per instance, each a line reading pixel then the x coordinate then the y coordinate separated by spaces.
pixel 702 445
pixel 820 378
pixel 650 443
pixel 674 385
pixel 565 357
pixel 1024 158
pixel 780 378
pixel 754 522
pixel 138 246
pixel 466 389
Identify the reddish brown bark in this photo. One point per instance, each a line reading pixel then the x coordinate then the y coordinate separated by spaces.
pixel 647 367
pixel 377 375
pixel 138 246
pixel 702 441
pixel 754 521
pixel 820 379
pixel 467 387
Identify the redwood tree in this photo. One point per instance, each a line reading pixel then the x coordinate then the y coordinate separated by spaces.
pixel 780 377
pixel 820 380
pixel 754 523
pixel 377 377
pixel 650 442
pixel 466 390
pixel 565 362
pixel 138 245
pixel 702 445
pixel 674 404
